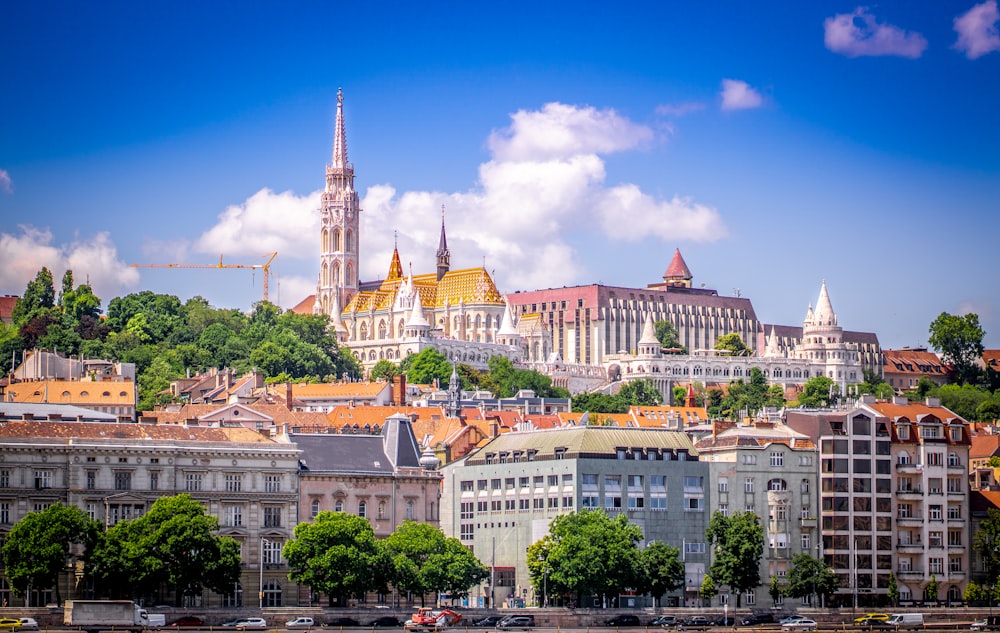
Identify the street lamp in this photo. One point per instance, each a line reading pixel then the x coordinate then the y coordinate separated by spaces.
pixel 260 594
pixel 545 582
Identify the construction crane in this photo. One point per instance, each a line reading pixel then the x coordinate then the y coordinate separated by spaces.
pixel 266 267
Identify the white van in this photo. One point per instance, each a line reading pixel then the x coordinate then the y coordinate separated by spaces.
pixel 906 621
pixel 156 620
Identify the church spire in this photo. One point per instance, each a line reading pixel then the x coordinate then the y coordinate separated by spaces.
pixel 339 138
pixel 443 254
pixel 395 266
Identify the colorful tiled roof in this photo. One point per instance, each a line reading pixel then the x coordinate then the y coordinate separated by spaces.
pixel 470 285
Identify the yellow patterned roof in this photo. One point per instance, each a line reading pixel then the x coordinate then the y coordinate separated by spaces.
pixel 473 286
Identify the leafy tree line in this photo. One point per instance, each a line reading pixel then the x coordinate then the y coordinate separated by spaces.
pixel 165 337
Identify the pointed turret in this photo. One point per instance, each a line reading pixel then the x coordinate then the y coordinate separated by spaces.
pixel 678 273
pixel 443 254
pixel 772 349
pixel 417 324
pixel 318 303
pixel 689 399
pixel 395 266
pixel 336 324
pixel 809 315
pixel 454 393
pixel 649 345
pixel 507 328
pixel 824 314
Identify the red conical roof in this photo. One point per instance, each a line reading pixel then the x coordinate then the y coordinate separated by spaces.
pixel 677 269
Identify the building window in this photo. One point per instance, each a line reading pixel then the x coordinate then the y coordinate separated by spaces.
pixel 4 478
pixel 5 512
pixel 362 509
pixel 192 482
pixel 723 484
pixel 777 459
pixel 748 485
pixel 409 510
pixel 272 516
pixel 234 516
pixel 235 598
pixel 123 480
pixel 314 508
pixel 272 483
pixel 724 509
pixel 466 486
pixel 934 513
pixel 466 532
pixel 43 479
pixel 271 552
pixel 154 481
pixel 776 485
pixel 935 459
pixel 381 510
pixel 234 482
pixel 338 506
pixel 694 548
pixel 694 504
pixel 613 492
pixel 749 459
pixel 806 542
pixel 954 512
pixel 272 594
pixel 91 480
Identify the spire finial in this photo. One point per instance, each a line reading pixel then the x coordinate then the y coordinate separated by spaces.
pixel 395 240
pixel 339 138
pixel 443 254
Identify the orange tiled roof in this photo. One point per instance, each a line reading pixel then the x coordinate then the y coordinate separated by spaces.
pixel 913 410
pixel 73 392
pixel 339 416
pixel 570 418
pixel 544 421
pixel 660 416
pixel 127 432
pixel 338 390
pixel 279 413
pixel 911 361
pixel 991 358
pixel 984 446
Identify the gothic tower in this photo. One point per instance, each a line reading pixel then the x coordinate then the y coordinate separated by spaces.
pixel 443 254
pixel 339 219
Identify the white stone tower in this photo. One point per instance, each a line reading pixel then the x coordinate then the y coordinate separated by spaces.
pixel 339 232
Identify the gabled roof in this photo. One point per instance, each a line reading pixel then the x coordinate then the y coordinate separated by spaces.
pixel 912 361
pixel 914 411
pixel 984 446
pixel 471 286
pixel 73 392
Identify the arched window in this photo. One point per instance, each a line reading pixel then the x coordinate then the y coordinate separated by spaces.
pixel 272 593
pixel 349 277
pixel 371 355
pixel 326 241
pixel 336 240
pixel 402 326
pixel 338 506
pixel 381 509
pixel 409 510
pixel 364 331
pixel 336 273
pixel 314 508
pixel 777 484
pixel 349 242
pixel 362 509
pixel 382 329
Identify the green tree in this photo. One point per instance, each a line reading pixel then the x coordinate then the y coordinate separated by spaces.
pixel 750 396
pixel 667 335
pixel 39 295
pixel 338 554
pixel 733 344
pixel 426 561
pixel 931 592
pixel 819 391
pixel 384 370
pixel 988 410
pixel 986 543
pixel 154 383
pixel 599 403
pixel 775 590
pixel 959 340
pixel 892 591
pixel 642 392
pixel 425 366
pixel 708 590
pixel 738 544
pixel 39 546
pixel 662 570
pixel 174 544
pixel 587 553
pixel 810 576
pixel 962 399
pixel 505 380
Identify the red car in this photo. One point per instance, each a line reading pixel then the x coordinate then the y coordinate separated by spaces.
pixel 188 620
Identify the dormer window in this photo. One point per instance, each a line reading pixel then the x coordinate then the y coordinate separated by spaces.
pixel 903 431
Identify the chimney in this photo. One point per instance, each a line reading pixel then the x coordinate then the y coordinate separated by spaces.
pixel 495 427
pixel 715 429
pixel 900 400
pixel 288 396
pixel 933 402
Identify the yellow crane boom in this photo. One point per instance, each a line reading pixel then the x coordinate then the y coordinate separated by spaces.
pixel 266 267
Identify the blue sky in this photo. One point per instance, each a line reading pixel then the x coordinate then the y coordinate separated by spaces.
pixel 777 144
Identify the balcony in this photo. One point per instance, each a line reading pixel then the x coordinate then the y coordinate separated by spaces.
pixel 911 545
pixel 807 522
pixel 910 519
pixel 916 491
pixel 911 572
pixel 908 467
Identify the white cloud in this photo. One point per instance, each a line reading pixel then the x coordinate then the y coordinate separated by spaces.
pixel 679 109
pixel 739 95
pixel 977 30
pixel 859 34
pixel 544 182
pixel 6 185
pixel 560 130
pixel 94 260
pixel 264 223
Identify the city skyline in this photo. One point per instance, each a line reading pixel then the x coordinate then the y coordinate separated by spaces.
pixel 776 146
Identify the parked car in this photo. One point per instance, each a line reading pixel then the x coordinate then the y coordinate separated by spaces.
pixel 758 618
pixel 490 620
pixel 385 621
pixel 911 621
pixel 9 624
pixel 187 620
pixel 989 623
pixel 252 623
pixel 694 622
pixel 342 621
pixel 724 620
pixel 668 621
pixel 28 624
pixel 805 624
pixel 624 620
pixel 232 623
pixel 791 618
pixel 517 622
pixel 301 622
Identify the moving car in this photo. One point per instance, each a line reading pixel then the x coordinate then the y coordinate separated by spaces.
pixel 232 623
pixel 989 623
pixel 805 624
pixel 301 622
pixel 758 618
pixel 385 621
pixel 9 624
pixel 791 618
pixel 668 621
pixel 912 621
pixel 252 623
pixel 28 624
pixel 187 620
pixel 490 620
pixel 871 619
pixel 517 622
pixel 624 620
pixel 694 622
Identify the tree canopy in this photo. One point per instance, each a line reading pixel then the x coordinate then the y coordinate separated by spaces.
pixel 959 340
pixel 424 561
pixel 738 544
pixel 662 570
pixel 667 335
pixel 819 391
pixel 174 544
pixel 641 392
pixel 733 344
pixel 810 576
pixel 39 545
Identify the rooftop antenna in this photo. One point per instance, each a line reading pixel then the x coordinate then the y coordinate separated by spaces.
pixel 737 291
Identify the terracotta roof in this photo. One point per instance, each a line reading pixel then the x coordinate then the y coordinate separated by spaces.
pixel 662 416
pixel 913 411
pixel 279 413
pixel 339 416
pixel 984 446
pixel 128 432
pixel 543 421
pixel 910 361
pixel 305 306
pixel 337 390
pixel 981 501
pixel 991 358
pixel 73 392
